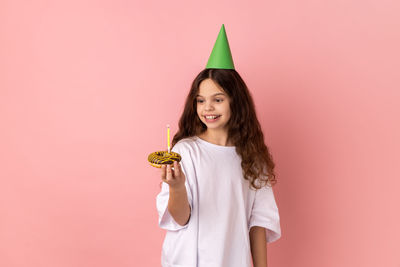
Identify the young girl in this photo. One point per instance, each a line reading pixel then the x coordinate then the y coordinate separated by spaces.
pixel 217 204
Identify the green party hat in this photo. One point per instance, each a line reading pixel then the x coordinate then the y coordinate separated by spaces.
pixel 221 57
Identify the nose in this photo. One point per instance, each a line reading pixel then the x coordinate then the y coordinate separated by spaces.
pixel 208 106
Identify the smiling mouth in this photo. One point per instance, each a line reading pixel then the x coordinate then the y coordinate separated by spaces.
pixel 212 117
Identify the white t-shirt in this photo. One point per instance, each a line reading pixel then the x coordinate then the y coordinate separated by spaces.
pixel 223 209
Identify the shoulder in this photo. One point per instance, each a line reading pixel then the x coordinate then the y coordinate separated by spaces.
pixel 185 144
pixel 186 148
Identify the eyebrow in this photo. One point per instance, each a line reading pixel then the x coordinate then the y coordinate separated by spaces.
pixel 213 94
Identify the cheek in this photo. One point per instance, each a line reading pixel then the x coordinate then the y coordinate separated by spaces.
pixel 198 109
pixel 227 109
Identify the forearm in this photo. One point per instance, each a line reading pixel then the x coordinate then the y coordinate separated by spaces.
pixel 258 245
pixel 178 205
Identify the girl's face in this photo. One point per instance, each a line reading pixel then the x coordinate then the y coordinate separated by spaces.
pixel 213 105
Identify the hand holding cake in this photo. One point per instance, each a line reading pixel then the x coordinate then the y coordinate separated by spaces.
pixel 175 178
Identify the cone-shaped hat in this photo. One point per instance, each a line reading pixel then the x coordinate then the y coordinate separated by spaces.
pixel 221 57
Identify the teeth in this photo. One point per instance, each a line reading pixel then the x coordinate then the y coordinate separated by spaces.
pixel 211 117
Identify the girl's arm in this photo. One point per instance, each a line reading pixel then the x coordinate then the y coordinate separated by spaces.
pixel 178 204
pixel 258 246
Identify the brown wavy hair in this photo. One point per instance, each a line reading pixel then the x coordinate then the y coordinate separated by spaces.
pixel 244 130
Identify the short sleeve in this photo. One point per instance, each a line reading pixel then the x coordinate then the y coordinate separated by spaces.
pixel 165 219
pixel 265 213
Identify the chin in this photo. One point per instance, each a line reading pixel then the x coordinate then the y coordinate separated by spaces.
pixel 219 126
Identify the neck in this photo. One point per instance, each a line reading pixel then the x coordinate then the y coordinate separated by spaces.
pixel 218 137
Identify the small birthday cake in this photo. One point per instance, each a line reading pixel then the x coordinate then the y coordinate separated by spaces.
pixel 159 158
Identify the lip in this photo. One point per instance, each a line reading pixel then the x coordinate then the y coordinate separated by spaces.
pixel 212 120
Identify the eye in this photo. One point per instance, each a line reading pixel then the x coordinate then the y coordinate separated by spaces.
pixel 199 101
pixel 219 100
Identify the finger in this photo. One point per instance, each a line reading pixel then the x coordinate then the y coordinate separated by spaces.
pixel 177 169
pixel 169 172
pixel 163 172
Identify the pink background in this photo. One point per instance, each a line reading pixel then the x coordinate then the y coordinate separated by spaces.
pixel 87 88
